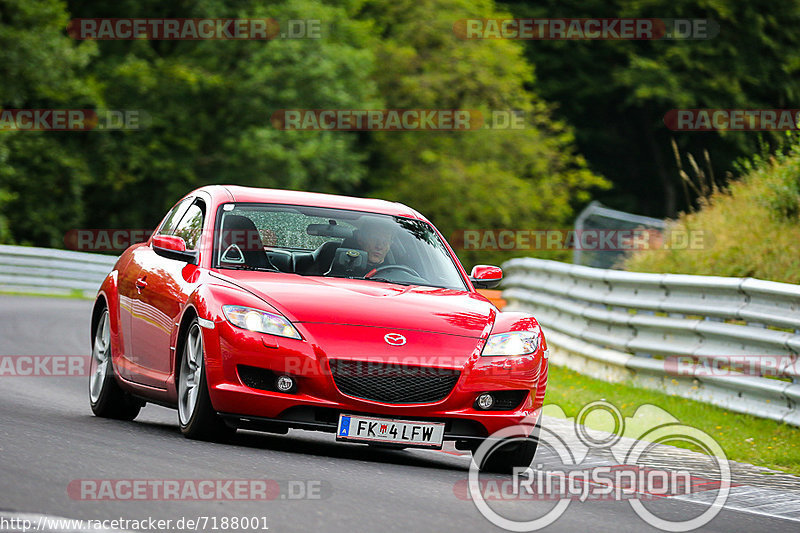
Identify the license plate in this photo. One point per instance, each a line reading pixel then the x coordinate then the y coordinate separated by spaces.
pixel 385 430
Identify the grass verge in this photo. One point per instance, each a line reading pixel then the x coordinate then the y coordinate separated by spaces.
pixel 74 295
pixel 744 438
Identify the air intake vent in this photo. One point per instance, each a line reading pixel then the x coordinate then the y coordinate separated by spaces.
pixel 388 383
pixel 257 378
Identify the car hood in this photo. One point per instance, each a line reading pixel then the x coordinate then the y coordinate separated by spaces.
pixel 314 299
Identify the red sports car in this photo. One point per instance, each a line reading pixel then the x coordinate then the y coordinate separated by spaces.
pixel 272 310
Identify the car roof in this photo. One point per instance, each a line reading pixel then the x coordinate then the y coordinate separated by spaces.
pixel 238 193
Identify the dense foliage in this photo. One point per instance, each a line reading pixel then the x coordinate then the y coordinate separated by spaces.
pixel 750 229
pixel 616 93
pixel 209 105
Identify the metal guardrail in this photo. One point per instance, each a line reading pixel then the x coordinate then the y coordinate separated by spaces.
pixel 55 272
pixel 670 331
pixel 597 217
pixel 610 324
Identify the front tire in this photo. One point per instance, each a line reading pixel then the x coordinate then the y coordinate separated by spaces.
pixel 106 397
pixel 196 415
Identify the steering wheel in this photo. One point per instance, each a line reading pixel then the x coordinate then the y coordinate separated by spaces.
pixel 404 268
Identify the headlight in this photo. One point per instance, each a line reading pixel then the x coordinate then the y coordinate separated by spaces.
pixel 261 321
pixel 513 343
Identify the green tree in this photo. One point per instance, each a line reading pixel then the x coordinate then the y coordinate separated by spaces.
pixel 530 178
pixel 42 174
pixel 211 104
pixel 616 93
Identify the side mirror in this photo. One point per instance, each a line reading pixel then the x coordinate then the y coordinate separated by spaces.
pixel 486 276
pixel 173 247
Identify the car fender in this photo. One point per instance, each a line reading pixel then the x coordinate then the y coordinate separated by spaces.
pixel 109 291
pixel 508 321
pixel 206 302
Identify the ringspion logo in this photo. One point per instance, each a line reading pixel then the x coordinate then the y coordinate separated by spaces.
pixel 569 476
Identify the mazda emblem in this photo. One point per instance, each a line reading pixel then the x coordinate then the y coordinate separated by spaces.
pixel 395 339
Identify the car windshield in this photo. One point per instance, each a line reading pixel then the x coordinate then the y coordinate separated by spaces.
pixel 314 241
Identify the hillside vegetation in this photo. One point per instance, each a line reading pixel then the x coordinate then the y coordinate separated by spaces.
pixel 750 229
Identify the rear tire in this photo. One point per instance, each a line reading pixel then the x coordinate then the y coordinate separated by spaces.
pixel 196 415
pixel 518 452
pixel 106 397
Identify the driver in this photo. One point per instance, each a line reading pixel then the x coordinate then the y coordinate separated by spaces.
pixel 375 238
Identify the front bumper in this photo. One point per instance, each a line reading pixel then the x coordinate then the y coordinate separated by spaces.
pixel 317 402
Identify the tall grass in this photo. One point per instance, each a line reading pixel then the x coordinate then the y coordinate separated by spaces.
pixel 752 228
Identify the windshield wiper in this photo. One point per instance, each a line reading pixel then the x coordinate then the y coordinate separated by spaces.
pixel 426 284
pixel 249 267
pixel 385 280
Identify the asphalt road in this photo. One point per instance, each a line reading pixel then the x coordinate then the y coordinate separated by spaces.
pixel 49 438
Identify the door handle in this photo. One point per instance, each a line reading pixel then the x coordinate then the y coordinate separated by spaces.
pixel 141 283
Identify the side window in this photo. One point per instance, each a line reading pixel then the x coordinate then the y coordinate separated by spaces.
pixel 190 227
pixel 174 216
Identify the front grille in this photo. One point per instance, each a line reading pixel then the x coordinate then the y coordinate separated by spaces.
pixel 388 383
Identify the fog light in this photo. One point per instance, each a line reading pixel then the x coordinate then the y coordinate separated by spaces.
pixel 485 401
pixel 284 384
